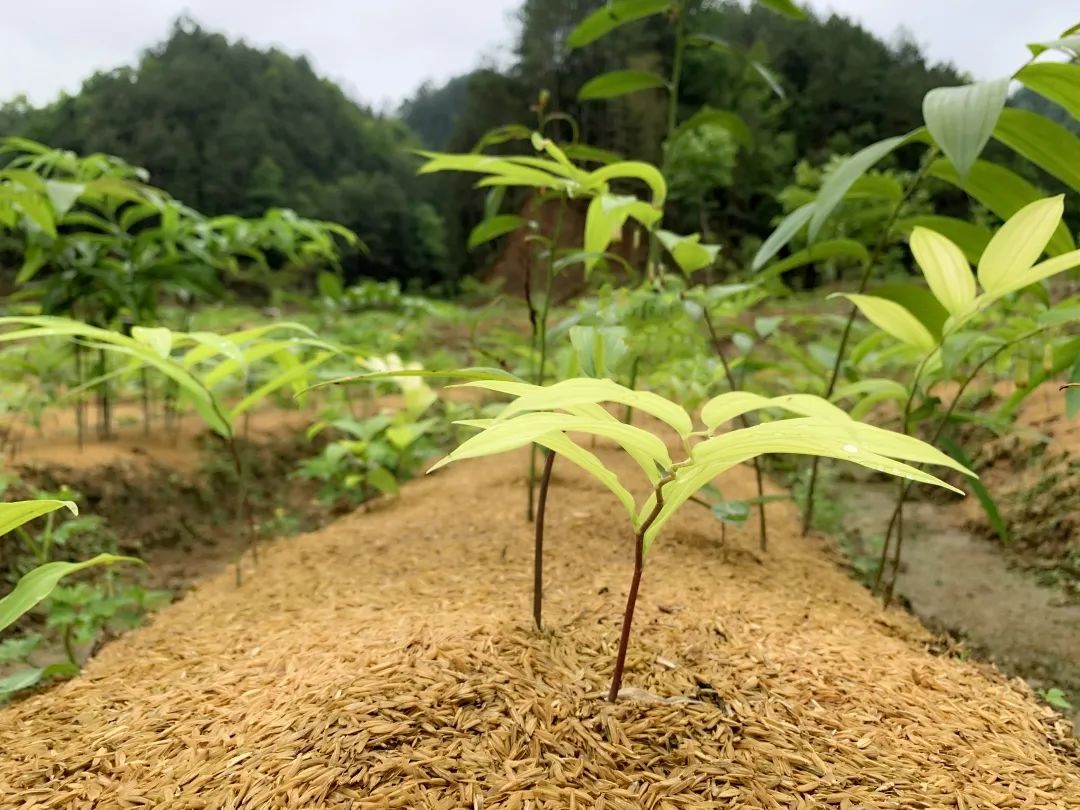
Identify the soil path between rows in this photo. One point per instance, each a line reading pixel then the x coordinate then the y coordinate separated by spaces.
pixel 388 661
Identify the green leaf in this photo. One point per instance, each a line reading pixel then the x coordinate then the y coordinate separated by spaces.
pixel 614 14
pixel 493 228
pixel 632 170
pixel 582 391
pixel 605 219
pixel 894 319
pixel 785 7
pixel 565 447
pixel 600 349
pixel 590 154
pixel 1019 243
pixel 383 480
pixel 688 252
pixel 770 78
pixel 789 226
pixel 1057 81
pixel 1067 44
pixel 972 239
pixel 18 681
pixel 619 83
pixel 1045 143
pixel 63 195
pixel 946 271
pixel 732 512
pixel 296 376
pixel 40 582
pixel 840 179
pixel 1003 192
pixel 919 301
pixel 986 500
pixel 157 338
pixel 503 435
pixel 13 515
pixel 819 252
pixel 733 404
pixel 961 119
pixel 708 116
pixel 847 440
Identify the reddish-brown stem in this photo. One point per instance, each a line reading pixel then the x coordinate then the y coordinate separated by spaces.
pixel 538 552
pixel 631 597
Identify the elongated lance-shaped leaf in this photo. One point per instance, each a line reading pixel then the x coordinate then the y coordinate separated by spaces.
pixel 491 229
pixel 894 319
pixel 971 238
pixel 15 514
pixel 565 446
pixel 47 326
pixel 840 179
pixel 785 7
pixel 631 170
pixel 1019 243
pixel 1040 272
pixel 296 376
pixel 207 347
pixel 610 16
pixel 157 338
pixel 1046 143
pixel 478 373
pixel 619 83
pixel 1057 81
pixel 510 434
pixel 1003 192
pixel 40 582
pixel 961 119
pixel 946 270
pixel 687 251
pixel 733 404
pixel 581 391
pixel 829 250
pixel 803 436
pixel 787 229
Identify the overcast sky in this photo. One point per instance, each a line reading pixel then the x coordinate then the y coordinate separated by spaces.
pixel 381 50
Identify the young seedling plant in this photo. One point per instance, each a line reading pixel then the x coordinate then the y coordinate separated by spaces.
pixel 548 415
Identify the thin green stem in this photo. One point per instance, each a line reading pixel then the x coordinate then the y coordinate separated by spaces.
pixel 763 532
pixel 895 520
pixel 845 338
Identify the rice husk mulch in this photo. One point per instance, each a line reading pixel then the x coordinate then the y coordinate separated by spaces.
pixel 389 661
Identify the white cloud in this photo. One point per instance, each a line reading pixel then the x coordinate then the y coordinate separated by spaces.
pixel 381 50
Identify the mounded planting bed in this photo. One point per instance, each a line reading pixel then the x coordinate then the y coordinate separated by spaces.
pixel 388 661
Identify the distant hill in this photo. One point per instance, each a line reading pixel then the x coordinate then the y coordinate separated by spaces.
pixel 226 127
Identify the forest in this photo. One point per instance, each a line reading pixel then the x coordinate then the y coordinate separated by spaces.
pixel 680 413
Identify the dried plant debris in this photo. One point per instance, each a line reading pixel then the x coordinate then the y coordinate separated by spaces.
pixel 388 662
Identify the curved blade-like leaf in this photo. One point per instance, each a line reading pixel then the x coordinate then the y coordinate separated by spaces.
pixel 961 119
pixel 787 229
pixel 894 319
pixel 509 434
pixel 570 393
pixel 687 251
pixel 40 582
pixel 708 116
pixel 612 15
pixel 619 83
pixel 785 7
pixel 15 514
pixel 1019 243
pixel 819 252
pixel 1002 191
pixel 1057 81
pixel 493 228
pixel 972 239
pixel 1045 143
pixel 946 270
pixel 840 179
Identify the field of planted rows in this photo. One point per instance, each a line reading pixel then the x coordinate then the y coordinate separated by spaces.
pixel 649 508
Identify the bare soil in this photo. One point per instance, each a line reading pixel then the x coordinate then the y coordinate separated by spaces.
pixel 388 661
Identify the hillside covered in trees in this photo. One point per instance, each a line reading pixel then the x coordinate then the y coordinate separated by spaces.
pixel 228 127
